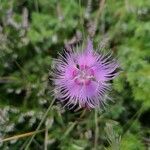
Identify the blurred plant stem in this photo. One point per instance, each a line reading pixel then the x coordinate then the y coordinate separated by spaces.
pixel 81 19
pixel 130 123
pixel 8 79
pixel 40 124
pixel 101 7
pixel 96 130
pixel 21 136
pixel 46 138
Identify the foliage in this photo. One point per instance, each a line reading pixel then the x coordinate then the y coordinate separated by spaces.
pixel 31 35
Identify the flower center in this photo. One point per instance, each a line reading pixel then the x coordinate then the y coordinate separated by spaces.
pixel 83 75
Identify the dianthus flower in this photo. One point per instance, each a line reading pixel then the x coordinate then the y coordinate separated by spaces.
pixel 82 77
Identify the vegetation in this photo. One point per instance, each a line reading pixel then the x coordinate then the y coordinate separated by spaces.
pixel 32 33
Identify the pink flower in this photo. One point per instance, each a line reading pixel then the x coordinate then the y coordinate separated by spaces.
pixel 82 78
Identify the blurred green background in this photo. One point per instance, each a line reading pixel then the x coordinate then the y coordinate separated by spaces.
pixel 32 32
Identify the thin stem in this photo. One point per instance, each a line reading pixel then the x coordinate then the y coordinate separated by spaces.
pixel 36 5
pixel 81 20
pixel 40 124
pixel 101 7
pixel 21 135
pixel 8 79
pixel 46 139
pixel 96 130
pixel 132 120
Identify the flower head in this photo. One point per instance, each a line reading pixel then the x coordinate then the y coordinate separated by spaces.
pixel 82 77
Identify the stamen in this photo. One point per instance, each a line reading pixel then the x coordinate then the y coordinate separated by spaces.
pixel 84 75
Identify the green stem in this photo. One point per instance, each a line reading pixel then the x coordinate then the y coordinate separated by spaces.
pixel 40 124
pixel 96 130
